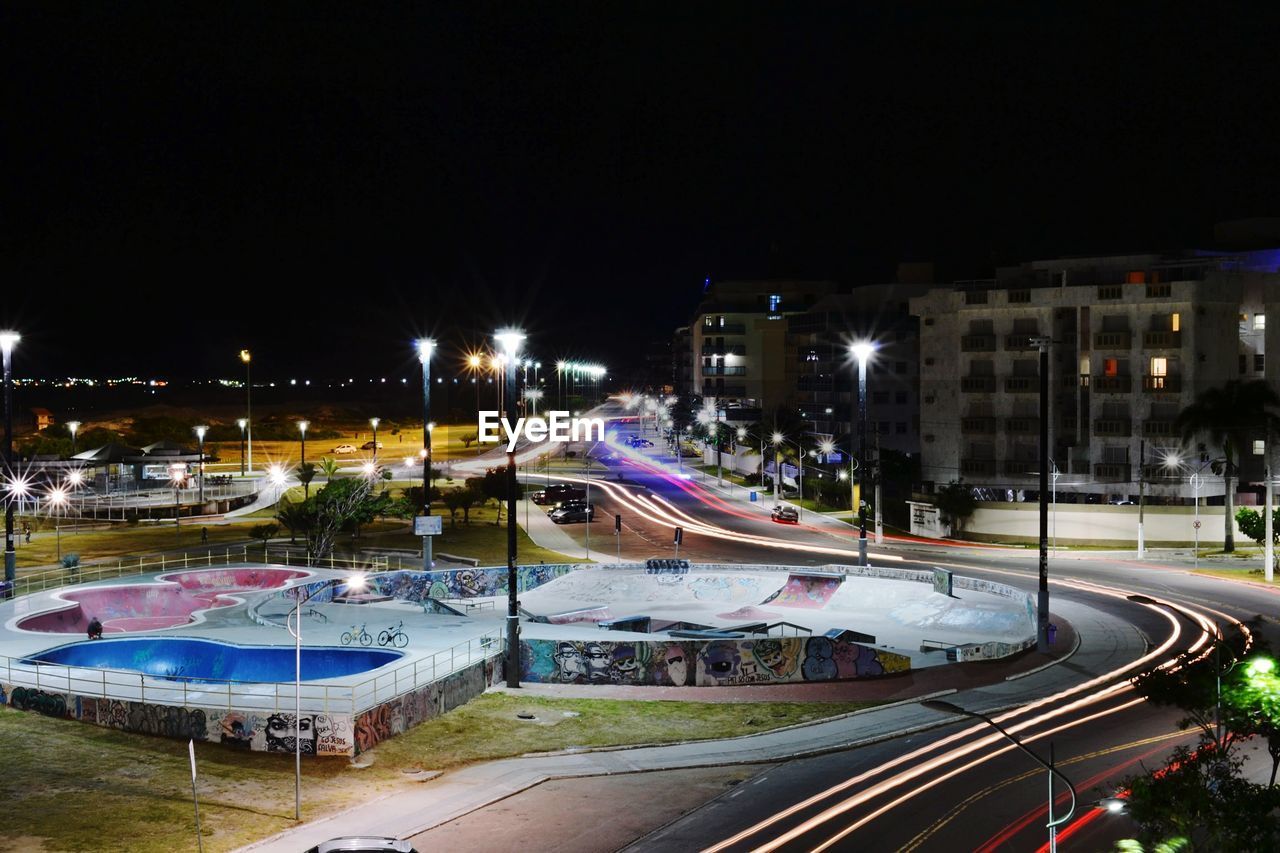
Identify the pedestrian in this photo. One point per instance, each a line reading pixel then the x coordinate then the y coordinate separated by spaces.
pixel 26 531
pixel 95 629
pixel 204 536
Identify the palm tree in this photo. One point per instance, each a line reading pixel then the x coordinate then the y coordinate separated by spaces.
pixel 1228 416
pixel 293 516
pixel 306 473
pixel 329 466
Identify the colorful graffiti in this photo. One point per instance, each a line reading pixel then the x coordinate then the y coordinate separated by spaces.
pixel 766 660
pixel 805 591
pixel 464 583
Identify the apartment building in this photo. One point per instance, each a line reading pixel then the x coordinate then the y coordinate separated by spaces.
pixel 1134 339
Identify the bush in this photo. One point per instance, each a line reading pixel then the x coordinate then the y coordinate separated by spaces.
pixel 70 561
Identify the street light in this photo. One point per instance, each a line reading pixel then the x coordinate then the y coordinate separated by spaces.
pixel 1053 824
pixel 200 432
pixel 510 341
pixel 73 427
pixel 862 351
pixel 242 423
pixel 7 342
pixel 373 422
pixel 426 347
pixel 356 583
pixel 306 483
pixel 177 473
pixel 56 498
pixel 777 439
pixel 248 410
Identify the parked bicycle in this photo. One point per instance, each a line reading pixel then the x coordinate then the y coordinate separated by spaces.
pixel 394 636
pixel 361 636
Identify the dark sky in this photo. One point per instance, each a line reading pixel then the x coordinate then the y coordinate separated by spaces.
pixel 323 182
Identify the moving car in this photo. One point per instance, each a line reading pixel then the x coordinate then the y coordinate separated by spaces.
pixel 785 514
pixel 570 512
pixel 363 844
pixel 641 442
pixel 557 493
pixel 369 445
pixel 344 448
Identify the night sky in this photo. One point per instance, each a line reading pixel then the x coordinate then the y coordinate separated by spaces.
pixel 324 182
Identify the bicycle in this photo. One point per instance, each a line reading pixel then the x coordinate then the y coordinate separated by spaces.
pixel 394 636
pixel 353 636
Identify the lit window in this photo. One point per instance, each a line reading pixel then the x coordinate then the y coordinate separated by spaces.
pixel 706 321
pixel 1110 367
pixel 1259 447
pixel 1159 366
pixel 1176 321
pixel 721 321
pixel 1259 322
pixel 775 302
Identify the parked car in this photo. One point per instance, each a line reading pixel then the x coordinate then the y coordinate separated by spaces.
pixel 369 445
pixel 557 493
pixel 344 448
pixel 785 514
pixel 363 844
pixel 641 442
pixel 570 512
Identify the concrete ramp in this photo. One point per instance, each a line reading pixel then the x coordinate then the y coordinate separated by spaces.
pixel 807 590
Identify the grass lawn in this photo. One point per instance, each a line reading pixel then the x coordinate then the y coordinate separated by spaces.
pixel 446 444
pixel 1241 574
pixel 481 539
pixel 73 786
pixel 125 540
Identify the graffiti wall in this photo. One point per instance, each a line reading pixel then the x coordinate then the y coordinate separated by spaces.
pixel 264 731
pixel 463 583
pixel 806 591
pixel 704 663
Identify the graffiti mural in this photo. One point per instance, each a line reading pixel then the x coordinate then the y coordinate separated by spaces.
pixel 604 662
pixel 805 591
pixel 48 704
pixel 464 583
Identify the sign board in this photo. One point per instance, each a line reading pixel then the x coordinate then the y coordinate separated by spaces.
pixel 617 523
pixel 679 535
pixel 428 525
pixel 942 581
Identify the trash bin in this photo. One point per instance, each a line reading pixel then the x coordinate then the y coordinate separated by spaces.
pixel 6 589
pixel 754 497
pixel 1053 633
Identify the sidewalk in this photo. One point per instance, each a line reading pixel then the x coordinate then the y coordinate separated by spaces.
pixel 545 533
pixel 1106 642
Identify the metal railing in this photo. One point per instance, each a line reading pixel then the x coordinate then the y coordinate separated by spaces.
pixel 189 692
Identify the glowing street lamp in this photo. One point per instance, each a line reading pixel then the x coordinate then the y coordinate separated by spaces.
pixel 862 350
pixel 426 347
pixel 56 499
pixel 73 427
pixel 373 422
pixel 8 340
pixel 293 622
pixel 510 341
pixel 247 428
pixel 242 423
pixel 177 473
pixel 302 431
pixel 200 433
pixel 777 439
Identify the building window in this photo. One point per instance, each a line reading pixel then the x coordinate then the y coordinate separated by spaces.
pixel 1259 322
pixel 900 398
pixel 899 367
pixel 775 302
pixel 901 427
pixel 880 398
pixel 1259 447
pixel 1175 322
pixel 1259 362
pixel 720 320
pixel 1159 366
pixel 707 321
pixel 1110 367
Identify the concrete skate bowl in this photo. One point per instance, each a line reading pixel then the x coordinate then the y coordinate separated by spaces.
pixel 195 660
pixel 172 600
pixel 727 625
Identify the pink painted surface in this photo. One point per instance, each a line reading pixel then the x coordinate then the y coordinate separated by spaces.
pixel 808 592
pixel 594 614
pixel 144 607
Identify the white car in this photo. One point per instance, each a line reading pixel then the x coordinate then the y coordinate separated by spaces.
pixel 363 844
pixel 345 448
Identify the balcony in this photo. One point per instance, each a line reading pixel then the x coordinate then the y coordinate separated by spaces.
pixel 1117 472
pixel 1110 291
pixel 1112 340
pixel 978 384
pixel 723 371
pixel 1113 427
pixel 1112 384
pixel 1022 426
pixel 1073 380
pixel 1019 342
pixel 1162 384
pixel 726 349
pixel 1162 340
pixel 1021 467
pixel 1158 429
pixel 977 343
pixel 1021 384
pixel 726 329
pixel 977 426
pixel 978 467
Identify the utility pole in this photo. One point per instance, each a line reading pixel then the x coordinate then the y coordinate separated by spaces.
pixel 1042 598
pixel 1268 550
pixel 876 479
pixel 1142 495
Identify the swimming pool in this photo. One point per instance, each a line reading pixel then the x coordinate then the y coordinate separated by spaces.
pixel 210 660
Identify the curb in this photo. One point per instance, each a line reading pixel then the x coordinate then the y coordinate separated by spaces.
pixel 1045 666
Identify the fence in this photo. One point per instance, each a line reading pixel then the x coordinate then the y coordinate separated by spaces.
pixel 349 698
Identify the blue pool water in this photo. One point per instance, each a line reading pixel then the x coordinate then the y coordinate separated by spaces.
pixel 208 660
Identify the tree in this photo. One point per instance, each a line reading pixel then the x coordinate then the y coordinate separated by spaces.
pixel 329 466
pixel 306 473
pixel 342 505
pixel 492 486
pixel 467 498
pixel 453 503
pixel 264 532
pixel 1252 524
pixel 1228 417
pixel 468 439
pixel 293 516
pixel 955 504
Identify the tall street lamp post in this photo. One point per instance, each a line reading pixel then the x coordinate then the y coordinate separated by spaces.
pixel 356 583
pixel 302 432
pixel 248 410
pixel 1042 610
pixel 862 351
pixel 425 348
pixel 57 501
pixel 373 422
pixel 1054 822
pixel 778 439
pixel 73 427
pixel 510 342
pixel 200 432
pixel 242 423
pixel 177 473
pixel 7 342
